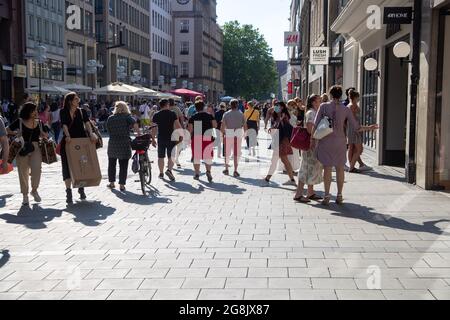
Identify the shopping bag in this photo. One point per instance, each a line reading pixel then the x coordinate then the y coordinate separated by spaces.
pixel 8 169
pixel 48 151
pixel 301 139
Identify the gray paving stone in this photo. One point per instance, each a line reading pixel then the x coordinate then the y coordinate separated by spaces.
pixel 439 294
pixel 246 283
pixel 35 285
pixel 221 294
pixel 205 283
pixel 267 272
pixel 334 283
pixel 408 295
pixel 176 294
pixel 187 273
pixel 162 284
pixel 10 295
pixel 227 273
pixel 6 285
pixel 108 274
pixel 360 295
pixel 147 273
pixel 119 284
pixel 53 295
pixel 313 294
pixel 88 295
pixel 290 283
pixel 269 294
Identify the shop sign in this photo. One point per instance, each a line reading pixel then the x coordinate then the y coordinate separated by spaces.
pixel 319 55
pixel 336 61
pixel 291 39
pixel 295 62
pixel 20 71
pixel 398 15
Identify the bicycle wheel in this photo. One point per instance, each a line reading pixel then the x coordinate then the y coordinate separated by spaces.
pixel 149 172
pixel 143 175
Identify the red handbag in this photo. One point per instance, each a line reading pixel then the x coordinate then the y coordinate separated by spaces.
pixel 301 139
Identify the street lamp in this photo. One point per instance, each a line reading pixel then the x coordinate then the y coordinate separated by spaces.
pixel 136 76
pixel 121 74
pixel 92 67
pixel 39 56
pixel 161 81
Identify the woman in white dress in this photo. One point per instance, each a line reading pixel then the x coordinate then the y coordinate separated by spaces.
pixel 311 170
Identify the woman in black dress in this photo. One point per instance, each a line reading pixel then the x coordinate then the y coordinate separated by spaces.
pixel 75 123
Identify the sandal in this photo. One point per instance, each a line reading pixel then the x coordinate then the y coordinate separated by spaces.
pixel 340 199
pixel 315 197
pixel 326 200
pixel 236 174
pixel 303 199
pixel 354 170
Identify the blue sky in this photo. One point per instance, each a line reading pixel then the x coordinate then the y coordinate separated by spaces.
pixel 269 16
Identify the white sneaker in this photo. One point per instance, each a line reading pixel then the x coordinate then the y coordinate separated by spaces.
pixel 290 183
pixel 36 196
pixel 365 168
pixel 25 200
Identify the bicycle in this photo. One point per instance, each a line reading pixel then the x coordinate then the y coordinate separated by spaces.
pixel 141 160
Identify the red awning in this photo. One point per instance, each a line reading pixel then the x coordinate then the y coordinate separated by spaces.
pixel 186 92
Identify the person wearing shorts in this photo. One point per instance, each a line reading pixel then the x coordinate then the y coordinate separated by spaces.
pixel 233 128
pixel 201 127
pixel 167 122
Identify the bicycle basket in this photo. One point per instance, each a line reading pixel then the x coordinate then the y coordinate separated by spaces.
pixel 141 143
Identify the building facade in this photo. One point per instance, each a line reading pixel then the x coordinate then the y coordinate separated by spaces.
pixel 123 41
pixel 161 33
pixel 433 108
pixel 198 47
pixel 12 47
pixel 80 43
pixel 45 26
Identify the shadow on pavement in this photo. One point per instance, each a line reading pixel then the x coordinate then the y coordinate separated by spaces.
pixel 90 213
pixel 261 183
pixel 140 199
pixel 378 175
pixel 221 187
pixel 185 187
pixel 32 218
pixel 5 257
pixel 356 211
pixel 3 200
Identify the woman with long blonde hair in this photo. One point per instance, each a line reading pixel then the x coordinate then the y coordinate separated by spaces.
pixel 119 146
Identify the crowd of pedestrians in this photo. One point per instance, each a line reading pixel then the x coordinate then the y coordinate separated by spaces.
pixel 203 127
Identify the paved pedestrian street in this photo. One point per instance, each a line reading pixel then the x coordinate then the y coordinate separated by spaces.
pixel 234 239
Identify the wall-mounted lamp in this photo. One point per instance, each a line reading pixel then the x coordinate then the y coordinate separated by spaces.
pixel 371 65
pixel 402 50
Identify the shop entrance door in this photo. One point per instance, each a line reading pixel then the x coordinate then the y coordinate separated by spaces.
pixel 395 109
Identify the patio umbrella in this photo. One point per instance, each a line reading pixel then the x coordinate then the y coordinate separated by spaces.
pixel 226 99
pixel 146 92
pixel 77 88
pixel 119 89
pixel 48 90
pixel 164 95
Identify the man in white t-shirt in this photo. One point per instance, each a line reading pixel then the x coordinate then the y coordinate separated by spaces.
pixel 144 109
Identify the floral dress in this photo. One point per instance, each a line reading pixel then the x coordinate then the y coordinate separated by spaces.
pixel 311 170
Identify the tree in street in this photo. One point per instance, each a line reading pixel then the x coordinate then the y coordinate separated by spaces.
pixel 249 67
